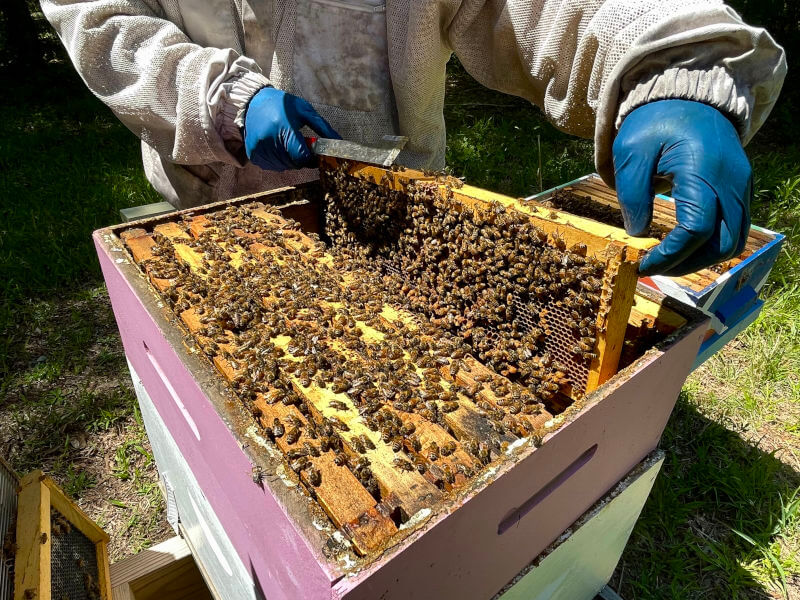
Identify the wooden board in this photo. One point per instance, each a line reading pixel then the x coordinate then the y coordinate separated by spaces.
pixel 166 571
pixel 615 310
pixel 32 561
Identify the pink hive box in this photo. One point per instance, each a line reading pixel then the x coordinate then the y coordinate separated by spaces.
pixel 469 546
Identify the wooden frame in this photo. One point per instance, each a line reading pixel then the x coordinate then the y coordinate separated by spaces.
pixel 32 575
pixel 620 251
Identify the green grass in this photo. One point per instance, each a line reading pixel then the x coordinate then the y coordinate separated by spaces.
pixel 66 168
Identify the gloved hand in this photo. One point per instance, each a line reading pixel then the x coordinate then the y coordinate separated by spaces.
pixel 698 148
pixel 272 137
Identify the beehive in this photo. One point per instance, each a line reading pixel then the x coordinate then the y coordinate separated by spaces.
pixel 439 433
pixel 380 410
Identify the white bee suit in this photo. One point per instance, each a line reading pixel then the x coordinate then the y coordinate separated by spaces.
pixel 179 73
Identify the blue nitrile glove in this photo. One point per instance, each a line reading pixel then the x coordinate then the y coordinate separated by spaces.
pixel 697 147
pixel 272 137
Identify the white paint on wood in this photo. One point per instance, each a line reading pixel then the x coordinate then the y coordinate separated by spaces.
pixel 583 560
pixel 201 527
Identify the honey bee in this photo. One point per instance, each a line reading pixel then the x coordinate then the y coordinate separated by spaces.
pixel 257 475
pixel 420 464
pixel 338 423
pixel 368 443
pixel 407 429
pixel 314 477
pixel 483 453
pixel 311 449
pixel 473 447
pixel 295 421
pixel 362 466
pixel 337 405
pixel 558 241
pixel 579 248
pixel 358 445
pixel 447 448
pixel 402 464
pixel 340 459
pixel 277 428
pixel 464 470
pixel 449 476
pixel 292 435
pixel 299 464
pixel 432 452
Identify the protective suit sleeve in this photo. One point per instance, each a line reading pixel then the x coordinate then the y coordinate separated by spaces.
pixel 588 64
pixel 178 97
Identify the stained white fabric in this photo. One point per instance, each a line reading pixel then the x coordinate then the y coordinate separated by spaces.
pixel 179 73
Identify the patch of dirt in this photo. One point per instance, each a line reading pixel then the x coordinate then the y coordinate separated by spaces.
pixel 137 517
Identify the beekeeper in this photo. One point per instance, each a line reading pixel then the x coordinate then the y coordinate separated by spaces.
pixel 219 90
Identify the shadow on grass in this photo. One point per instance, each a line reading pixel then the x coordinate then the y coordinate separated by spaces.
pixel 66 168
pixel 712 483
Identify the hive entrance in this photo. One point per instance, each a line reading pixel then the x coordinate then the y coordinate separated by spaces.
pixel 385 387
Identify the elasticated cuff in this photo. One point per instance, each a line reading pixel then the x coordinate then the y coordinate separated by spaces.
pixel 240 90
pixel 713 86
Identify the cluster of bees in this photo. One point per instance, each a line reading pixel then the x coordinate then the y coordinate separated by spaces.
pixel 470 272
pixel 285 323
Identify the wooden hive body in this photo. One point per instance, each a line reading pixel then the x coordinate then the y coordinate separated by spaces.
pixel 489 525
